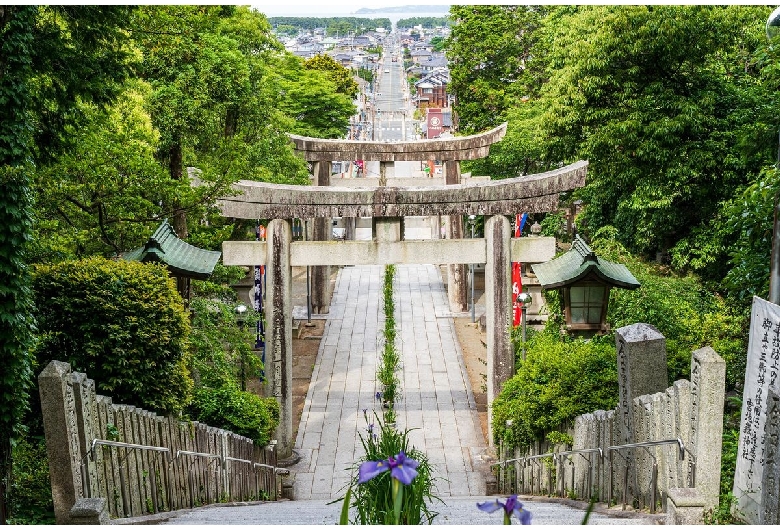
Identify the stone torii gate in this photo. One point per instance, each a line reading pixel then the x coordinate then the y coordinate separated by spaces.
pixel 388 205
pixel 321 153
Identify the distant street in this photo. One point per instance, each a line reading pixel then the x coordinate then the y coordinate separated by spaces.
pixel 393 120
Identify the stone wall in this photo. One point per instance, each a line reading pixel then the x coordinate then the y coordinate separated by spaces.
pixel 647 477
pixel 96 465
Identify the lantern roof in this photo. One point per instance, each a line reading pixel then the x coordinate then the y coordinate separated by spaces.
pixel 580 263
pixel 181 258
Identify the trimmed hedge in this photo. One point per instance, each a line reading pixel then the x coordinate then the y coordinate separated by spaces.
pixel 238 411
pixel 122 323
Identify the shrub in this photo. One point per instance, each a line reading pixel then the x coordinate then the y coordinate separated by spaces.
pixel 559 379
pixel 221 345
pixel 122 323
pixel 235 410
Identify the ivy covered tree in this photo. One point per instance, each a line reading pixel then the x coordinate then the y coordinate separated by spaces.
pixel 49 58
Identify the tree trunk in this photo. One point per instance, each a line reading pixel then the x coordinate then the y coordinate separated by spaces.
pixel 175 168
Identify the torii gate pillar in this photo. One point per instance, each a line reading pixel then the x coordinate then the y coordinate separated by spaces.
pixel 278 331
pixel 457 285
pixel 322 231
pixel 498 299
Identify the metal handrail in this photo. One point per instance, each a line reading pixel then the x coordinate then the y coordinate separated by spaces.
pixel 581 451
pixel 545 455
pixel 195 453
pixel 126 445
pixel 504 462
pixel 677 441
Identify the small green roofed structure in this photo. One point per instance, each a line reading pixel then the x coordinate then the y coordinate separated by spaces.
pixel 584 280
pixel 182 259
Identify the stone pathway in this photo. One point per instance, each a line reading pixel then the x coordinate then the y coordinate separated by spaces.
pixel 436 396
pixel 437 403
pixel 456 511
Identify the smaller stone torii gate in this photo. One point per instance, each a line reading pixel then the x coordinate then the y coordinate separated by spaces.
pixel 387 206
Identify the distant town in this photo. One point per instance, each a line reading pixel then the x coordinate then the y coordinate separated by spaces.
pixel 356 43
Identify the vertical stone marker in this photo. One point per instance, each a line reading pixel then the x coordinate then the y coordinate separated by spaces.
pixel 641 357
pixel 770 483
pixel 641 353
pixel 58 405
pixel 708 382
pixel 761 376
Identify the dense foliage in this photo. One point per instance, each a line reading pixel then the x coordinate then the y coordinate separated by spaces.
pixel 559 379
pixel 122 323
pixel 425 22
pixel 687 314
pixel 673 107
pixel 241 412
pixel 50 57
pixel 30 489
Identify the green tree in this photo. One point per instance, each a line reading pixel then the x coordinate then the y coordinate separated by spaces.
pixel 339 75
pixel 103 195
pixel 488 51
pixel 309 97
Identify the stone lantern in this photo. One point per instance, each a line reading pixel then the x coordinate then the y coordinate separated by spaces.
pixel 584 281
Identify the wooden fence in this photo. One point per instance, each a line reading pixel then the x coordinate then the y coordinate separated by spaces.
pixel 139 462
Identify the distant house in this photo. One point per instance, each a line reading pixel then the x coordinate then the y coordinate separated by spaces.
pixel 435 62
pixel 419 56
pixel 431 90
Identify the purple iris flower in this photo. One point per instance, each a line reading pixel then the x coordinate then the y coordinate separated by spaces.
pixel 510 506
pixel 370 428
pixel 378 395
pixel 401 468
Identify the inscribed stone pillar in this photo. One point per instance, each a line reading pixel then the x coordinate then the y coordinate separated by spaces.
pixel 708 386
pixel 322 231
pixel 762 374
pixel 62 438
pixel 770 482
pixel 457 283
pixel 641 355
pixel 278 316
pixel 498 291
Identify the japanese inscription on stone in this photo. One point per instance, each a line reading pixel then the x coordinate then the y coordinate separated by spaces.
pixel 761 374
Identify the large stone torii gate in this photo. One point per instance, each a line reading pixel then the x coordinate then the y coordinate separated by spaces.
pixel 387 206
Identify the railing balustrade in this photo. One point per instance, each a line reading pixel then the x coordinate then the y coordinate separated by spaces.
pixel 510 481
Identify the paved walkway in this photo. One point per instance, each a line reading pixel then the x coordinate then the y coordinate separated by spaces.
pixel 437 402
pixel 457 511
pixel 436 396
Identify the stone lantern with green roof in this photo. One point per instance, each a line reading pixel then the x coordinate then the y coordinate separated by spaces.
pixel 584 281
